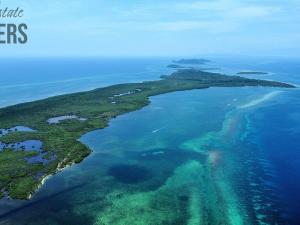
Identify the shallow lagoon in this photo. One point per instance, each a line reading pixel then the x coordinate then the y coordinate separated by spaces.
pixel 56 120
pixel 15 129
pixel 28 145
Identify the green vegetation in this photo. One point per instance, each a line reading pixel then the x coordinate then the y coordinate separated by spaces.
pixel 17 177
pixel 20 178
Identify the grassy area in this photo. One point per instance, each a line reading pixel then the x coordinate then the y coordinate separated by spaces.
pixel 18 177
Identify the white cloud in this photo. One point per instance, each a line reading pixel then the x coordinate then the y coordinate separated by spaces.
pixel 228 9
pixel 204 26
pixel 213 16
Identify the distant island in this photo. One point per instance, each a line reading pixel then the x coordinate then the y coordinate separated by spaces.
pixel 251 72
pixel 175 66
pixel 192 61
pixel 41 138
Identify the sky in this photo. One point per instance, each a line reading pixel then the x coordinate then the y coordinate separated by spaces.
pixel 115 28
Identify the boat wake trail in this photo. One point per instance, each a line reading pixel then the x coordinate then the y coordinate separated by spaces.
pixel 157 130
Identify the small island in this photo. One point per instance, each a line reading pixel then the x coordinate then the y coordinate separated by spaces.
pixel 252 73
pixel 51 128
pixel 176 66
pixel 192 61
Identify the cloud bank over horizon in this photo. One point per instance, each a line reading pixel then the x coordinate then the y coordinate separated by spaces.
pixel 157 28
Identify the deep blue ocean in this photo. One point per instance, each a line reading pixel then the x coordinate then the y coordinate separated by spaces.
pixel 212 156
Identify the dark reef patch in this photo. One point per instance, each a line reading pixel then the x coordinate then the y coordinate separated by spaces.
pixel 129 174
pixel 165 155
pixel 162 162
pixel 184 198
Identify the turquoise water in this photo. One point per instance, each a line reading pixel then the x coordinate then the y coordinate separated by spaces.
pixel 213 156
